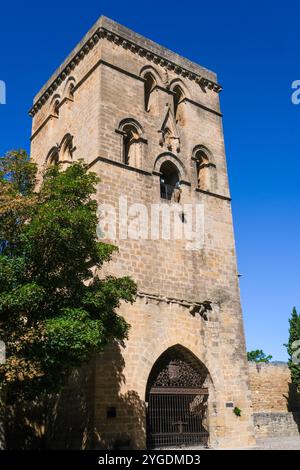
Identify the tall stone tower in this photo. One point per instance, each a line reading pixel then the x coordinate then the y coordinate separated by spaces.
pixel 148 122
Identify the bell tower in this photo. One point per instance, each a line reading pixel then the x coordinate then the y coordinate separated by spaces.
pixel 148 122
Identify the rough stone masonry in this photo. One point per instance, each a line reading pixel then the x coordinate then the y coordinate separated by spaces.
pixel 148 122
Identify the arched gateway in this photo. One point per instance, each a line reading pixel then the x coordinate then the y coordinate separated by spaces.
pixel 177 396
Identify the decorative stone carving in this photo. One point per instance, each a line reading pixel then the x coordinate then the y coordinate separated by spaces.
pixel 169 134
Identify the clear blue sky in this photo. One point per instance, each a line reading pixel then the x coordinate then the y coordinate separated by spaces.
pixel 253 46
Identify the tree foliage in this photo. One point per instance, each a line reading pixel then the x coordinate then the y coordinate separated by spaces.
pixel 293 348
pixel 258 356
pixel 55 312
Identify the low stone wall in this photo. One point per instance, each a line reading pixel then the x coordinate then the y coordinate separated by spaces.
pixel 276 424
pixel 276 405
pixel 271 388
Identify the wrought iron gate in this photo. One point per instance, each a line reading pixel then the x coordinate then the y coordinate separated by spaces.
pixel 177 407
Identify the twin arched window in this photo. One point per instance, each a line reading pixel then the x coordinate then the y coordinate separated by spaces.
pixel 58 100
pixel 61 153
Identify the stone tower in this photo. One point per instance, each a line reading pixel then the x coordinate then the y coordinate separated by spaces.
pixel 148 122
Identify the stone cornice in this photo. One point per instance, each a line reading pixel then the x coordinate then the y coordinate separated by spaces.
pixel 119 164
pixel 136 45
pixel 209 193
pixel 195 308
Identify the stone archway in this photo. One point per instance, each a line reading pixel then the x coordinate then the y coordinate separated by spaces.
pixel 177 396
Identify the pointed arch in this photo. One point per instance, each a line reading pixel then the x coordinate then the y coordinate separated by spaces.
pixel 61 153
pixel 66 149
pixel 149 89
pixel 179 95
pixel 177 82
pixel 152 70
pixel 177 352
pixel 152 79
pixel 177 393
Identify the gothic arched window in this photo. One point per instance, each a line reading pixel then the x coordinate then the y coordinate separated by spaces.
pixel 53 156
pixel 69 88
pixel 66 149
pixel 150 84
pixel 55 105
pixel 178 100
pixel 62 153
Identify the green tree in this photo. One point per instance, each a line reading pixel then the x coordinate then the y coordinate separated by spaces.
pixel 56 311
pixel 258 356
pixel 293 348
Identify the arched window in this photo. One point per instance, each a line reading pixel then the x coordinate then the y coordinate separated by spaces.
pixel 131 145
pixel 66 149
pixel 178 99
pixel 53 156
pixel 56 108
pixel 150 84
pixel 132 142
pixel 62 153
pixel 69 88
pixel 169 182
pixel 203 166
pixel 55 105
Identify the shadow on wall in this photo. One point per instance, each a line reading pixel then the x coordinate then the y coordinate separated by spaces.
pixel 60 421
pixel 293 398
pixel 293 403
pixel 120 418
pixel 69 420
pixel 92 413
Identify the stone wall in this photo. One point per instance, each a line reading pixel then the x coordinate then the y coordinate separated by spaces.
pixel 274 400
pixel 270 387
pixel 276 424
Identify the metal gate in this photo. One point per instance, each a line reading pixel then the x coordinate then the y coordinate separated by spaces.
pixel 176 417
pixel 177 406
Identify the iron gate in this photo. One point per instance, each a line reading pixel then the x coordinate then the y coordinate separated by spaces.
pixel 177 417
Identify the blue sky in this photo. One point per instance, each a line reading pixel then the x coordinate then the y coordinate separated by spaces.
pixel 253 46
